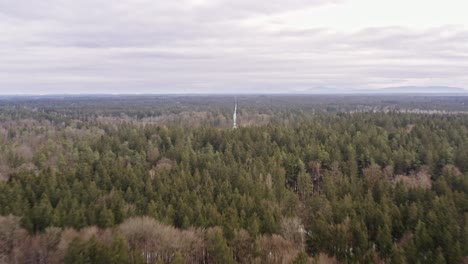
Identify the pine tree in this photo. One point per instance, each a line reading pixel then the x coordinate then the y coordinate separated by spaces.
pixel 218 249
pixel 120 251
pixel 106 217
pixel 95 252
pixel 75 253
pixel 440 259
pixel 384 240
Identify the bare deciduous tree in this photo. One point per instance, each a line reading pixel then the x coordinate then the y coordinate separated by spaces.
pixel 11 235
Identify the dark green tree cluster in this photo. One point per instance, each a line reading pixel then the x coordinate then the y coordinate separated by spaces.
pixel 93 251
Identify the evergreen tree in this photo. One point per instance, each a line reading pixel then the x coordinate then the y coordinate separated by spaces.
pixel 120 251
pixel 218 250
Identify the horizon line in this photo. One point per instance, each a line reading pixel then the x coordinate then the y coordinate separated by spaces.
pixel 465 93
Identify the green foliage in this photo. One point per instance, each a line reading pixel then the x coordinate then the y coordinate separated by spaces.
pixel 301 258
pixel 178 258
pixel 366 186
pixel 75 253
pixel 89 252
pixel 120 251
pixel 218 250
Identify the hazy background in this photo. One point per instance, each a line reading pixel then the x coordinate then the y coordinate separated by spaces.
pixel 224 46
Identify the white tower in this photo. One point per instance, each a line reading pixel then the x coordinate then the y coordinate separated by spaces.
pixel 235 115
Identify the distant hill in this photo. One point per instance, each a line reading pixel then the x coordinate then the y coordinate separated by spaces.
pixel 422 89
pixel 392 90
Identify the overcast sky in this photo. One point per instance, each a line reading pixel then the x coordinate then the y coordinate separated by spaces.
pixel 230 46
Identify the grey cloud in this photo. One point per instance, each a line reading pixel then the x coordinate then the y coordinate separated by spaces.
pixel 165 46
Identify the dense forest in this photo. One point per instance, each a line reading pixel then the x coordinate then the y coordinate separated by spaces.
pixel 166 179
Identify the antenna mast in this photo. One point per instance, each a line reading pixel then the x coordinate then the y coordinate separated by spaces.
pixel 234 125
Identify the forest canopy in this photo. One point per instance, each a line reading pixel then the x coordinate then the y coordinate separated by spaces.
pixel 167 180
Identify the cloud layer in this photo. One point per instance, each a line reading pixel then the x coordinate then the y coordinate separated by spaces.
pixel 143 46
